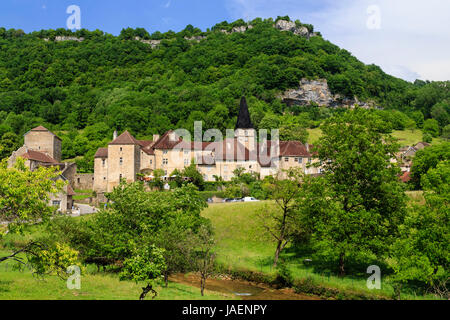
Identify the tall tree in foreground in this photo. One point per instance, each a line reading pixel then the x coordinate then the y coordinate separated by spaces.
pixel 145 265
pixel 24 194
pixel 24 197
pixel 201 253
pixel 281 219
pixel 422 252
pixel 355 208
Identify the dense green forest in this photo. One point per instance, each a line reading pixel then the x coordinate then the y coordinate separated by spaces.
pixel 85 90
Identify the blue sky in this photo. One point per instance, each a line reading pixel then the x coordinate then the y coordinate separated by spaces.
pixel 411 38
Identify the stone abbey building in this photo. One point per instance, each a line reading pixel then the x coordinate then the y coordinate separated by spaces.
pixel 126 157
pixel 42 148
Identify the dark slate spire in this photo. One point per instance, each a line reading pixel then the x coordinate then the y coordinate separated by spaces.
pixel 243 121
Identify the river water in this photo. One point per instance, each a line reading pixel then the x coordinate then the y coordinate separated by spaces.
pixel 242 289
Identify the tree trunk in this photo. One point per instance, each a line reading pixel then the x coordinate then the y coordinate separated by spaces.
pixel 202 284
pixel 341 264
pixel 146 290
pixel 280 239
pixel 277 254
pixel 166 278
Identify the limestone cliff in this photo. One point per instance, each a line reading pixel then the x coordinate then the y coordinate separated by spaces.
pixel 302 31
pixel 318 92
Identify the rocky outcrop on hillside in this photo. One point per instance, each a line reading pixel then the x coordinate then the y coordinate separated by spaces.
pixel 302 31
pixel 152 43
pixel 317 92
pixel 64 38
pixel 239 29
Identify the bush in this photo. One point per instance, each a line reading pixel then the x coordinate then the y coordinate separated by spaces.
pixel 284 276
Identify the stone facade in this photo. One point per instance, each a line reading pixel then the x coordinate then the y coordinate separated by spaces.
pixel 83 181
pixel 130 159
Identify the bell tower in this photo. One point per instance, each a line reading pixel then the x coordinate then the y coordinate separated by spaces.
pixel 244 130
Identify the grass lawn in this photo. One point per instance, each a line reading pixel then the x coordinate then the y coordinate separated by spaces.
pixel 314 135
pixel 22 285
pixel 405 137
pixel 243 244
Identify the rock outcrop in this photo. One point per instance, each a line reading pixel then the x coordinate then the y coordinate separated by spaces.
pixel 302 31
pixel 152 43
pixel 317 92
pixel 64 38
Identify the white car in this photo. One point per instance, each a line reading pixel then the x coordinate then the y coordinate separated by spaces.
pixel 249 199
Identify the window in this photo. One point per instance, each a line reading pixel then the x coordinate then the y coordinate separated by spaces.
pixel 121 149
pixel 104 178
pixel 309 160
pixel 120 176
pixel 286 159
pixel 165 151
pixel 120 161
pixel 56 203
pixel 225 168
pixel 186 162
pixel 165 161
pixel 78 180
pixel 186 152
pixel 300 160
pixel 151 161
pixel 103 162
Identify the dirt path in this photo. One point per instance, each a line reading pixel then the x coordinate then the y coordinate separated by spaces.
pixel 244 289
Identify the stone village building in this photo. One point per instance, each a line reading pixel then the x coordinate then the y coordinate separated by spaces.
pixel 42 148
pixel 126 157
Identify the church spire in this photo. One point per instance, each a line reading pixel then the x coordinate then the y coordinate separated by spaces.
pixel 244 121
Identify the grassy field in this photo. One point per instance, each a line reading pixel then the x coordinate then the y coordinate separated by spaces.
pixel 406 137
pixel 242 244
pixel 22 285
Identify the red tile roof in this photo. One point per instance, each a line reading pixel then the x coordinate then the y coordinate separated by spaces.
pixel 293 148
pixel 70 191
pixel 405 177
pixel 38 156
pixel 43 129
pixel 39 128
pixel 101 153
pixel 125 138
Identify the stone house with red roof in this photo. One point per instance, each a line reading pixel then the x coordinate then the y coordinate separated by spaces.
pixel 42 148
pixel 126 157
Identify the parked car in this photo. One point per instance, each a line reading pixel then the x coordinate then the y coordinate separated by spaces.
pixel 249 199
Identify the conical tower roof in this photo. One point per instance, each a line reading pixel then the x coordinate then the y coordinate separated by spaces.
pixel 244 121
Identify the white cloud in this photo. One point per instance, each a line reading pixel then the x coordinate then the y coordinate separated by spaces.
pixel 413 40
pixel 168 3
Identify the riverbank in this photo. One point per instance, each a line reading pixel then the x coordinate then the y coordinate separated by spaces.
pixel 241 289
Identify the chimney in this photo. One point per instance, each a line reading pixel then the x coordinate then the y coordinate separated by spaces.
pixel 115 135
pixel 307 147
pixel 155 137
pixel 172 136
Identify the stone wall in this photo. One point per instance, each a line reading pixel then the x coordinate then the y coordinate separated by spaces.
pixel 83 181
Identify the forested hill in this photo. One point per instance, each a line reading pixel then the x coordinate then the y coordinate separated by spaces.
pixel 99 82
